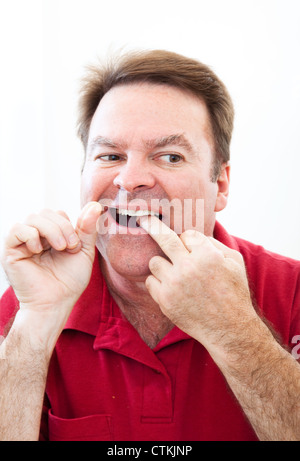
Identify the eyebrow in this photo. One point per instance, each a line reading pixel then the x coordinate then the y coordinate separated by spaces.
pixel 102 141
pixel 171 140
pixel 165 141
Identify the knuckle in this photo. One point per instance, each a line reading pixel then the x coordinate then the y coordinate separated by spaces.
pixel 63 214
pixel 189 267
pixel 170 243
pixel 191 233
pixel 14 228
pixel 31 218
pixel 34 233
pixel 238 256
pixel 45 212
pixel 148 282
pixel 216 256
pixel 178 278
pixel 66 227
pixel 154 262
pixel 194 238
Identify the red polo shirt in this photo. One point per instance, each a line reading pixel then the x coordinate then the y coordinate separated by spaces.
pixel 105 383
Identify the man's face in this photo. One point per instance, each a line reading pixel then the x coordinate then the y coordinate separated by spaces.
pixel 150 148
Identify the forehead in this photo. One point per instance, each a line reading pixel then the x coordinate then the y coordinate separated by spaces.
pixel 150 110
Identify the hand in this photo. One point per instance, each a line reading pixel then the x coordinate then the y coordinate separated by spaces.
pixel 202 288
pixel 48 262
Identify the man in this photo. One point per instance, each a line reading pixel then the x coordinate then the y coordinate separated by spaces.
pixel 161 332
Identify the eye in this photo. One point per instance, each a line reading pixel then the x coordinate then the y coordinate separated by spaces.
pixel 108 158
pixel 171 158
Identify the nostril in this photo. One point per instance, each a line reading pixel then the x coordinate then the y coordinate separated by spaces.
pixel 134 177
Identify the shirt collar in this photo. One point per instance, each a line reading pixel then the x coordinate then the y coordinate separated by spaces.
pixel 96 307
pixel 97 314
pixel 86 313
pixel 222 235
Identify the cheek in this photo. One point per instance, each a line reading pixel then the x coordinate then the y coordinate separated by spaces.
pixel 210 196
pixel 93 185
pixel 199 209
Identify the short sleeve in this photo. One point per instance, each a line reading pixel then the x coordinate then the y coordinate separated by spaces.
pixel 9 306
pixel 44 432
pixel 295 322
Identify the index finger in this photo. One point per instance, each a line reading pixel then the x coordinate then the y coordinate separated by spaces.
pixel 165 237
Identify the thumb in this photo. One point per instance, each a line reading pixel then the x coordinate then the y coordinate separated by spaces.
pixel 86 228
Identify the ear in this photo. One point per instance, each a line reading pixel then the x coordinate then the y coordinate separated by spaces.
pixel 223 187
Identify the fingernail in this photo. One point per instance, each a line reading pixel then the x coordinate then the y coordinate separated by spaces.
pixel 73 239
pixel 92 206
pixel 61 242
pixel 142 221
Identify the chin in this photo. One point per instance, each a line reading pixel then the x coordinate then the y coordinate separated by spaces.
pixel 128 267
pixel 135 274
pixel 129 256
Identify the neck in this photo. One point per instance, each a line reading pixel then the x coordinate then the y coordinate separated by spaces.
pixel 137 305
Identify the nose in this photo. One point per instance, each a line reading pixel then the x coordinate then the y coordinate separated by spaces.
pixel 134 175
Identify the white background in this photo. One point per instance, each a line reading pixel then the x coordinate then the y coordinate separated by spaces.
pixel 253 45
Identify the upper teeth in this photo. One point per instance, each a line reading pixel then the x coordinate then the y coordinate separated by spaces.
pixel 137 212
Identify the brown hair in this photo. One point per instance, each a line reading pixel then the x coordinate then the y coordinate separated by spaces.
pixel 161 67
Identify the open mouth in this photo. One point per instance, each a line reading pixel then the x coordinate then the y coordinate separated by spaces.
pixel 128 218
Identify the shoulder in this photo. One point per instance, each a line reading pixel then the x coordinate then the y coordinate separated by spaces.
pixel 260 262
pixel 274 282
pixel 267 264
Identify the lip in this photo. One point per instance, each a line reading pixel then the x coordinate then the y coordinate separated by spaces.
pixel 112 207
pixel 133 204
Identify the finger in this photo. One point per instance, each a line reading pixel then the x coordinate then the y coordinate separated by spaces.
pixel 64 223
pixel 153 286
pixel 21 235
pixel 63 213
pixel 49 230
pixel 165 237
pixel 86 227
pixel 159 267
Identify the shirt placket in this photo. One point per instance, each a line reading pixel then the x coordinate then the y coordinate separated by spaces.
pixel 156 399
pixel 157 403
